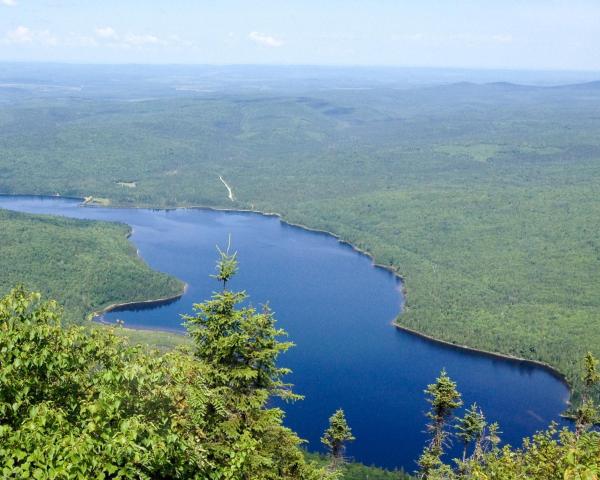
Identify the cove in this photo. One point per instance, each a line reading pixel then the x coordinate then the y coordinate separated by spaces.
pixel 338 309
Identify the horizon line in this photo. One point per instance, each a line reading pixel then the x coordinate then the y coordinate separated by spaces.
pixel 305 65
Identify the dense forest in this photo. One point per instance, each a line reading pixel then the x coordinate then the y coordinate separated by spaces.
pixel 85 265
pixel 482 196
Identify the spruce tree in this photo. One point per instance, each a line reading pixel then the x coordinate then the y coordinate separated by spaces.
pixel 238 348
pixel 335 438
pixel 444 399
pixel 470 430
pixel 590 372
pixel 492 438
pixel 586 414
pixel 239 343
pixel 227 265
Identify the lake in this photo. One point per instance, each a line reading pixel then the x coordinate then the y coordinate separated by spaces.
pixel 338 309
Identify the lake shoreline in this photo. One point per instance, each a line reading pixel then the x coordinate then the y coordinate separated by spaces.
pixel 366 253
pixel 501 356
pixel 97 316
pixel 547 367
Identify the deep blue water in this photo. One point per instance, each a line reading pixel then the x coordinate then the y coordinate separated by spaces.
pixel 338 310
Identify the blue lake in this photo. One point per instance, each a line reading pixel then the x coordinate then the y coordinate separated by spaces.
pixel 338 309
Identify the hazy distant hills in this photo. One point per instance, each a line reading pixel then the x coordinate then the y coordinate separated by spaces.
pixel 144 81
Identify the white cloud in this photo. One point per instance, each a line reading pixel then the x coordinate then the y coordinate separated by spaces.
pixel 23 35
pixel 46 38
pixel 177 41
pixel 20 34
pixel 110 37
pixel 140 40
pixel 101 37
pixel 76 40
pixel 106 32
pixel 265 40
pixel 8 3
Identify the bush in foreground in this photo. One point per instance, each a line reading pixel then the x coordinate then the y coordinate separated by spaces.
pixel 548 455
pixel 80 403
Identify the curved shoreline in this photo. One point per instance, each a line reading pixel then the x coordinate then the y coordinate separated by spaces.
pixel 97 316
pixel 366 253
pixel 501 356
pixel 536 363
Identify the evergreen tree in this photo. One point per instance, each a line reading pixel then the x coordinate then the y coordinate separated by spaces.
pixel 227 265
pixel 336 436
pixel 586 414
pixel 240 346
pixel 470 430
pixel 239 342
pixel 590 372
pixel 444 399
pixel 492 438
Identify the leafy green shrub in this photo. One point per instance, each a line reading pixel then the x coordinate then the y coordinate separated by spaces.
pixel 79 403
pixel 548 455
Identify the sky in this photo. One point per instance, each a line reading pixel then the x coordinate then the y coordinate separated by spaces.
pixel 517 34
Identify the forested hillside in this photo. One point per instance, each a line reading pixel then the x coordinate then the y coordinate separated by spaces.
pixel 483 197
pixel 85 265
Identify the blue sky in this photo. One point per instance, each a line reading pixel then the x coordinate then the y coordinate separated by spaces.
pixel 525 34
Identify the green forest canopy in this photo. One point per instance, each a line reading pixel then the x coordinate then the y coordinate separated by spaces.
pixel 483 197
pixel 86 265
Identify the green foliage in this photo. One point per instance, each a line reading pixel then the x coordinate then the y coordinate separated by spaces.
pixel 444 399
pixel 239 343
pixel 548 455
pixel 484 197
pixel 470 429
pixel 586 414
pixel 85 265
pixel 77 403
pixel 357 471
pixel 336 436
pixel 590 371
pixel 226 266
pixel 163 341
pixel 493 436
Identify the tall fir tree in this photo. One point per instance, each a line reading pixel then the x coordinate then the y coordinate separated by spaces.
pixel 586 414
pixel 239 342
pixel 335 438
pixel 470 429
pixel 240 345
pixel 444 398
